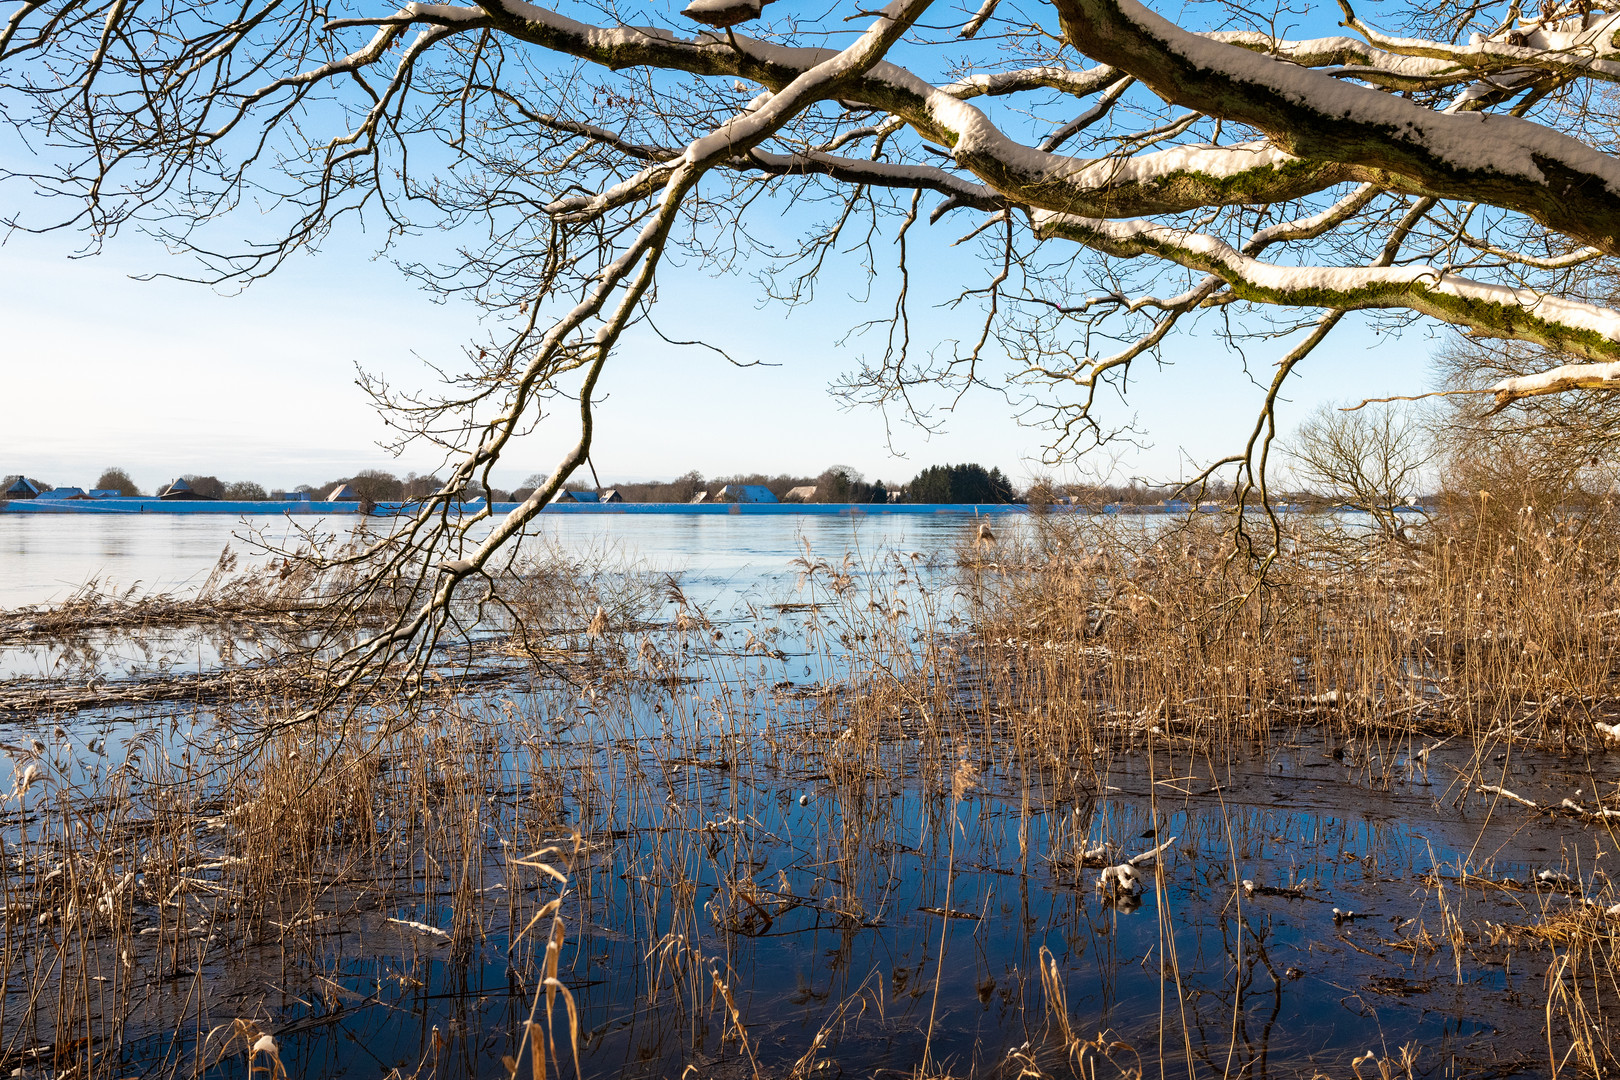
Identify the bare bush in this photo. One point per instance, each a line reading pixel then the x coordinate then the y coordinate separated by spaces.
pixel 1550 455
pixel 1371 459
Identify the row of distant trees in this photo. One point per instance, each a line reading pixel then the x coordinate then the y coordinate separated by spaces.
pixel 373 484
pixel 839 484
pixel 965 483
pixel 1380 458
pixel 1366 460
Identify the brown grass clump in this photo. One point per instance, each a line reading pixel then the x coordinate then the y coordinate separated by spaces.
pixel 1108 625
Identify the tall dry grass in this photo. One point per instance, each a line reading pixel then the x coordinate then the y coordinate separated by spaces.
pixel 1106 624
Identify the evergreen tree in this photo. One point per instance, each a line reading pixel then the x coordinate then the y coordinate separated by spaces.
pixel 967 483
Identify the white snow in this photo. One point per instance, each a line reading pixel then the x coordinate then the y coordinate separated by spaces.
pixel 723 12
pixel 1307 228
pixel 1381 286
pixel 1565 377
pixel 446 13
pixel 1343 52
pixel 422 928
pixel 1080 83
pixel 1123 878
pixel 1561 43
pixel 1467 142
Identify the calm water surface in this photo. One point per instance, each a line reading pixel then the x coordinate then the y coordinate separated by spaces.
pixel 728 566
pixel 46 557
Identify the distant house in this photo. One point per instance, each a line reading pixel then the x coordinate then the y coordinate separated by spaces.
pixel 343 493
pixel 289 496
pixel 181 490
pixel 745 493
pixel 578 497
pixel 612 495
pixel 106 493
pixel 800 494
pixel 24 488
pixel 702 496
pixel 63 493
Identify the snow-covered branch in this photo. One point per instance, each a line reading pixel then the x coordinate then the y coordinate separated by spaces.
pixel 1321 131
pixel 1422 64
pixel 1553 178
pixel 1484 308
pixel 1601 376
pixel 1582 44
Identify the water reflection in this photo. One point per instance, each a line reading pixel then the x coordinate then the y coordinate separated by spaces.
pixel 48 556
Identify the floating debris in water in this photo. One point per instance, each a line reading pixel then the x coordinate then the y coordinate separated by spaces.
pixel 1123 878
pixel 421 927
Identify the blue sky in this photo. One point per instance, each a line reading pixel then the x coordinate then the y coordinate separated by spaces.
pixel 165 377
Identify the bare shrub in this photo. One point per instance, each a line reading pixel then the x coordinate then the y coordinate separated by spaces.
pixel 1370 459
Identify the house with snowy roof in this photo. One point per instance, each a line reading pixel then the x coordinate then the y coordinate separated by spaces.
pixel 745 493
pixel 343 493
pixel 23 488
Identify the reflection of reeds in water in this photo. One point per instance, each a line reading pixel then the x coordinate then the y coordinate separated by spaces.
pixel 678 787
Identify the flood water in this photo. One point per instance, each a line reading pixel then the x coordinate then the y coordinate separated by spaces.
pixel 912 922
pixel 724 563
pixel 46 557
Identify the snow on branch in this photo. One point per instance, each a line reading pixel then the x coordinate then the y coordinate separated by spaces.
pixel 1487 309
pixel 723 13
pixel 1168 181
pixel 1346 57
pixel 1505 161
pixel 997 84
pixel 1420 64
pixel 1579 45
pixel 1322 131
pixel 1162 182
pixel 1601 376
pixel 1570 259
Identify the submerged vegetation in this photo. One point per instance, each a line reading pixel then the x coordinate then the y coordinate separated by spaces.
pixel 1083 796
